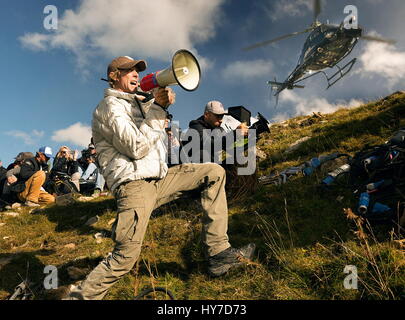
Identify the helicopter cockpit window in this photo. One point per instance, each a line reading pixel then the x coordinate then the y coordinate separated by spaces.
pixel 314 35
pixel 307 48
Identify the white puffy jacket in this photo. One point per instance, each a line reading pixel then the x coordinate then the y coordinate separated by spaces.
pixel 129 146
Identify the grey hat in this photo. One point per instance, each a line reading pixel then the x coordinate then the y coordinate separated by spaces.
pixel 24 156
pixel 215 107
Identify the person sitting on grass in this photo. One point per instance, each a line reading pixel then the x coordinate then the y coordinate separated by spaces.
pixel 66 162
pixel 28 184
pixel 89 171
pixel 13 170
pixel 3 171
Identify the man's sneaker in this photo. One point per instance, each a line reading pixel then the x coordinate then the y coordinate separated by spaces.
pixel 15 205
pixel 72 293
pixel 31 204
pixel 229 258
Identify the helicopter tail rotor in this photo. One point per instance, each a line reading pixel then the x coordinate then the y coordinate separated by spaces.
pixel 275 86
pixel 280 86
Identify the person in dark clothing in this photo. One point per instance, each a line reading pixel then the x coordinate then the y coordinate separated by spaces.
pixel 216 145
pixel 32 175
pixel 66 162
pixel 3 172
pixel 19 159
pixel 12 170
pixel 91 179
pixel 211 121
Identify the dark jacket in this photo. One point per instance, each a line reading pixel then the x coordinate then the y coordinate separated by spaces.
pixel 3 172
pixel 3 179
pixel 217 133
pixel 64 165
pixel 29 167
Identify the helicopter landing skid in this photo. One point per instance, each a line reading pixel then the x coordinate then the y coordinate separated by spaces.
pixel 341 73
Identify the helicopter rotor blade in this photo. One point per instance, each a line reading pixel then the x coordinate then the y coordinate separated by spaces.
pixel 374 38
pixel 317 9
pixel 265 43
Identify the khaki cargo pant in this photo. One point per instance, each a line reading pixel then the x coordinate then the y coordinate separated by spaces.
pixel 137 199
pixel 33 190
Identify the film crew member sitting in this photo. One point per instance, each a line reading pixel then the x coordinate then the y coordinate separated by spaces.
pixel 211 120
pixel 28 184
pixel 226 139
pixel 3 170
pixel 13 170
pixel 66 164
pixel 91 180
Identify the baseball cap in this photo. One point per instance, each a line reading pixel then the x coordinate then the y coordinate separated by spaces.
pixel 47 151
pixel 126 63
pixel 24 156
pixel 215 107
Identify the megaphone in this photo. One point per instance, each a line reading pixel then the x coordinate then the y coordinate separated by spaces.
pixel 184 71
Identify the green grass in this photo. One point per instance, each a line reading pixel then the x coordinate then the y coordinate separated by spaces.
pixel 304 240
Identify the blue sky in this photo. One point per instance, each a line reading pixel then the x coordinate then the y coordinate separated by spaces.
pixel 51 78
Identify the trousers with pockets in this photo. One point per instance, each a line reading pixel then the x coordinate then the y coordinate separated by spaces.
pixel 137 199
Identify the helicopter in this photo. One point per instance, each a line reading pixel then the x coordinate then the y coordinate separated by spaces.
pixel 325 47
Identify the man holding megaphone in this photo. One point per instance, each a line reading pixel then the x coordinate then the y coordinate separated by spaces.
pixel 128 128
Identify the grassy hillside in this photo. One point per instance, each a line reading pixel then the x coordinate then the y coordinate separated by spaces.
pixel 303 235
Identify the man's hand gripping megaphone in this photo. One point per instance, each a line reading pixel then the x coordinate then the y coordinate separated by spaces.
pixel 164 96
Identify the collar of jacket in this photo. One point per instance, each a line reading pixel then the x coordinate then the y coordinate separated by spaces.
pixel 122 95
pixel 206 124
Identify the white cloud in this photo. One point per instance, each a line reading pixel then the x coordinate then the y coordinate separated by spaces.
pixel 384 61
pixel 291 8
pixel 28 138
pixel 77 133
pixel 246 70
pixel 140 28
pixel 307 105
pixel 35 41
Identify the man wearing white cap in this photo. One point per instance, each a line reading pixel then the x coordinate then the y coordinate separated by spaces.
pixel 211 120
pixel 128 129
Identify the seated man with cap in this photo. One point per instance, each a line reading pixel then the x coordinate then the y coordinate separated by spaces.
pixel 211 120
pixel 9 178
pixel 30 179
